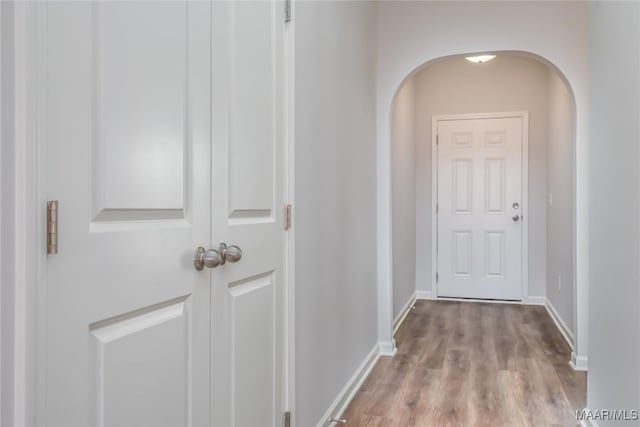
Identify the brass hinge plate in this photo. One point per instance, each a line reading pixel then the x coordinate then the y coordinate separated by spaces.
pixel 52 227
pixel 287 217
pixel 287 10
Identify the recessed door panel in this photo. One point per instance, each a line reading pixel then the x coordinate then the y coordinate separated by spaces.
pixel 495 253
pixel 136 353
pixel 141 115
pixel 252 325
pixel 253 99
pixel 495 186
pixel 462 253
pixel 462 187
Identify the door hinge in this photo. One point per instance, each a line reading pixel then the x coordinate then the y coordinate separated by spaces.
pixel 287 10
pixel 436 208
pixel 52 227
pixel 287 419
pixel 287 217
pixel 436 277
pixel 437 139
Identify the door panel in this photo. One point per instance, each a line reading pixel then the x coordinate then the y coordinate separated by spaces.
pixel 127 136
pixel 479 180
pixel 253 59
pixel 141 95
pixel 247 296
pixel 125 371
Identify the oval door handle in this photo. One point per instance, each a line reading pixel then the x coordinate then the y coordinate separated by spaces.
pixel 206 258
pixel 515 218
pixel 230 253
pixel 214 257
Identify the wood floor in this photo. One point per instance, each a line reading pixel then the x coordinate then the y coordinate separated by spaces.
pixel 472 364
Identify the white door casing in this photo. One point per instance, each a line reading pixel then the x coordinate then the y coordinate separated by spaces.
pixel 155 147
pixel 481 206
pixel 248 182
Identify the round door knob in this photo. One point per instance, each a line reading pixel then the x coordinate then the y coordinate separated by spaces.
pixel 231 253
pixel 515 218
pixel 206 258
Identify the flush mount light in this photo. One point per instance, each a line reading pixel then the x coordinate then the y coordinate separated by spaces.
pixel 480 58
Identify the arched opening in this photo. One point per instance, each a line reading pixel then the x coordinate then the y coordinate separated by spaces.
pixel 514 86
pixel 435 255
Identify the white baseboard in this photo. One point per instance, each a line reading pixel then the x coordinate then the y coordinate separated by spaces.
pixel 425 295
pixel 430 295
pixel 403 313
pixel 562 327
pixel 347 393
pixel 387 348
pixel 534 300
pixel 579 363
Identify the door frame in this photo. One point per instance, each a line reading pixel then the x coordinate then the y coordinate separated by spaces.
pixel 21 403
pixel 289 198
pixel 21 204
pixel 524 116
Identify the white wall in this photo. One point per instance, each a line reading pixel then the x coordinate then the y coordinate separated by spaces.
pixel 456 86
pixel 403 184
pixel 614 185
pixel 334 216
pixel 560 214
pixel 413 33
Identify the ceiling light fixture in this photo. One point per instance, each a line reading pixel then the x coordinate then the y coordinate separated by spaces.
pixel 480 59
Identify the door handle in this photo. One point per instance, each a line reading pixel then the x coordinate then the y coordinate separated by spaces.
pixel 515 218
pixel 206 258
pixel 212 258
pixel 229 253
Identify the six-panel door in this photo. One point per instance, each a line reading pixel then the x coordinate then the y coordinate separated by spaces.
pixel 479 208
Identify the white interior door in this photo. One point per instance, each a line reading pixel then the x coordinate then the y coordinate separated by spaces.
pixel 127 135
pixel 248 143
pixel 163 126
pixel 480 208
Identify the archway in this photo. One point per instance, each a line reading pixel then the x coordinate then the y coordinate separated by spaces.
pixel 576 333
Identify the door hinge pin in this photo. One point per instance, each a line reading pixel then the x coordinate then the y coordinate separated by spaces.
pixel 436 277
pixel 52 227
pixel 287 217
pixel 287 10
pixel 287 419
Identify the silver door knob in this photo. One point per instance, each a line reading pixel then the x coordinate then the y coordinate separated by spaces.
pixel 230 253
pixel 515 218
pixel 207 258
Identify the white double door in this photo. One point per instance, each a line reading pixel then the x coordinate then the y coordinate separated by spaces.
pixel 480 216
pixel 162 130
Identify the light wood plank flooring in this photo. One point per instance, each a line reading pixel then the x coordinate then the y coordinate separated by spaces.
pixel 472 364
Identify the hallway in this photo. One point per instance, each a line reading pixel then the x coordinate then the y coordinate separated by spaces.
pixel 468 364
